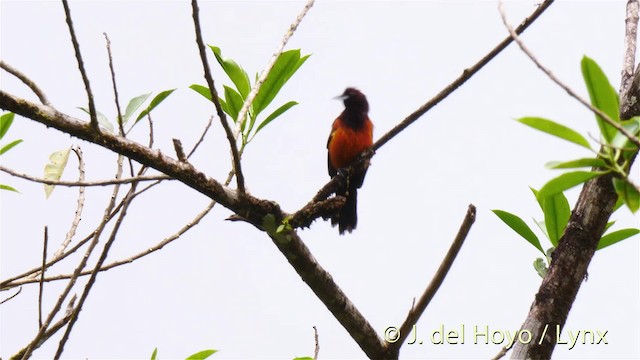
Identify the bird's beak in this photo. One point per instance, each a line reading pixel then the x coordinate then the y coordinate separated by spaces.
pixel 341 97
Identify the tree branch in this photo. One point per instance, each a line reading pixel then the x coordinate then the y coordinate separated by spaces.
pixel 466 75
pixel 237 168
pixel 82 183
pixel 570 260
pixel 76 47
pixel 417 310
pixel 263 76
pixel 629 88
pixel 565 87
pixel 32 85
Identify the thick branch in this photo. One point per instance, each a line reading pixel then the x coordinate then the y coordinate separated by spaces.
pixel 630 86
pixel 576 248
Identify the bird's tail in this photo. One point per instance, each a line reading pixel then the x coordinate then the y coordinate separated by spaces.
pixel 347 218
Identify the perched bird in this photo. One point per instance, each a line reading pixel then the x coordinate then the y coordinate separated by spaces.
pixel 351 134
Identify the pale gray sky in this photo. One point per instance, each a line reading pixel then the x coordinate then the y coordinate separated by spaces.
pixel 224 285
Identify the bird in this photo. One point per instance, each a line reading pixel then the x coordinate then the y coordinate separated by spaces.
pixel 351 134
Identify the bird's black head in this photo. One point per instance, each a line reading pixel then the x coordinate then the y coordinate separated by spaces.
pixel 354 101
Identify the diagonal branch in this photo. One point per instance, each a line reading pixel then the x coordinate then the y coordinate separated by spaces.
pixel 417 310
pixel 466 75
pixel 263 76
pixel 214 97
pixel 32 85
pixel 83 72
pixel 565 87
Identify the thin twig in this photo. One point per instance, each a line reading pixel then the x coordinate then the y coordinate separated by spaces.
pixel 316 350
pixel 80 205
pixel 36 340
pixel 115 87
pixel 263 75
pixel 466 75
pixel 32 85
pixel 201 139
pixel 417 310
pixel 214 97
pixel 44 262
pixel 76 47
pixel 12 296
pixel 84 183
pixel 150 145
pixel 52 330
pixel 94 273
pixel 565 87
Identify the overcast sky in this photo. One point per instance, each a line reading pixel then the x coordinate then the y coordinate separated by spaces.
pixel 224 285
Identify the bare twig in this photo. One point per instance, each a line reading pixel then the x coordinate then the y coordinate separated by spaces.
pixel 12 296
pixel 39 336
pixel 83 183
pixel 52 330
pixel 466 75
pixel 76 47
pixel 44 262
pixel 316 350
pixel 94 273
pixel 80 205
pixel 417 310
pixel 566 88
pixel 263 75
pixel 237 168
pixel 177 145
pixel 201 139
pixel 32 85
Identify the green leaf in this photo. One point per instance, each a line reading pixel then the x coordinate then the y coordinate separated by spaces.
pixel 154 354
pixel 279 111
pixel 54 169
pixel 234 102
pixel 556 216
pixel 519 226
pixel 235 72
pixel 615 237
pixel 102 120
pixel 609 224
pixel 5 123
pixel 633 127
pixel 555 129
pixel 286 64
pixel 578 163
pixel 540 266
pixel 603 96
pixel 202 90
pixel 155 102
pixel 9 146
pixel 201 355
pixel 628 193
pixel 133 105
pixel 566 181
pixel 303 358
pixel 7 187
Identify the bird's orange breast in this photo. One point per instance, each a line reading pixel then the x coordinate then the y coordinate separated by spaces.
pixel 346 143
